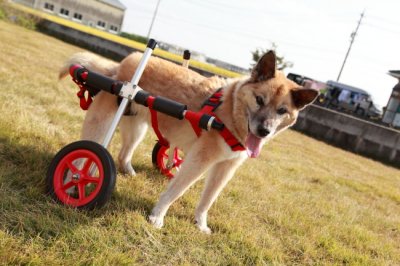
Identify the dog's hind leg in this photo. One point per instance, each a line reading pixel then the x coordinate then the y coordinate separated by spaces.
pixel 219 176
pixel 99 117
pixel 133 129
pixel 197 161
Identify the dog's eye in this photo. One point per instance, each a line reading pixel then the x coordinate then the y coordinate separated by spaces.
pixel 260 100
pixel 282 111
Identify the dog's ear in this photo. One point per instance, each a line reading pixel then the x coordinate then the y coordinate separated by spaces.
pixel 265 67
pixel 303 97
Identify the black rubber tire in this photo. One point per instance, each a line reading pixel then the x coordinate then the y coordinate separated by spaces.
pixel 107 163
pixel 155 152
pixel 359 112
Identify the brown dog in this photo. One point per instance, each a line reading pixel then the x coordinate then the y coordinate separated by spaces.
pixel 254 109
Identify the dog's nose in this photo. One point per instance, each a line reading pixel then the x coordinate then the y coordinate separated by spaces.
pixel 262 131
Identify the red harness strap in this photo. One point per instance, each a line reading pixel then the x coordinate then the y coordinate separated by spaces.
pixel 84 101
pixel 154 122
pixel 209 107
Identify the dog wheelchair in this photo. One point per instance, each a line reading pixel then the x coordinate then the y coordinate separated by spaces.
pixel 83 173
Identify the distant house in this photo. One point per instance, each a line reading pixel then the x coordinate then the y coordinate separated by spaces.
pixel 202 58
pixel 106 15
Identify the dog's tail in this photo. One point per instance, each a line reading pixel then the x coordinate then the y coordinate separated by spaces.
pixel 91 62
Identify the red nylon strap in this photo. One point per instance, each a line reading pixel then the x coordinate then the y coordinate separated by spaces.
pixel 84 102
pixel 154 122
pixel 194 119
pixel 208 108
pixel 231 140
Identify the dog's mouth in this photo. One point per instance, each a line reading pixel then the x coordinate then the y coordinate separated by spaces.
pixel 253 144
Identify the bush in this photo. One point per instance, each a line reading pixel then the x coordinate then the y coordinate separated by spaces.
pixel 2 14
pixel 134 37
pixel 13 15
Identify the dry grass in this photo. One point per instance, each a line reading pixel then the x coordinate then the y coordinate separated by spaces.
pixel 302 202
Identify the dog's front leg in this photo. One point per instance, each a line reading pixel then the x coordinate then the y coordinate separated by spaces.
pixel 197 161
pixel 217 179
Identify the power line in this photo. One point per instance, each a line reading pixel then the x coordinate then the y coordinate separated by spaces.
pixel 381 28
pixel 384 20
pixel 171 19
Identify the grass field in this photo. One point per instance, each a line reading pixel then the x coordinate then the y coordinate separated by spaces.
pixel 301 202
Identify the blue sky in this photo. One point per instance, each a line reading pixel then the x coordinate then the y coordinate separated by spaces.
pixel 313 34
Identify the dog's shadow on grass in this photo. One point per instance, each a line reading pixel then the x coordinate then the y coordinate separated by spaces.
pixel 136 199
pixel 26 209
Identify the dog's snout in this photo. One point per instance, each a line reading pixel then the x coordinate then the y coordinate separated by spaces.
pixel 262 131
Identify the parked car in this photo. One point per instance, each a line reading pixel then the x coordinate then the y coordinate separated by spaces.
pixel 340 96
pixel 350 99
pixel 299 79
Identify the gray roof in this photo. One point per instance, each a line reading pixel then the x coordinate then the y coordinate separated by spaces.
pixel 114 3
pixel 346 87
pixel 394 73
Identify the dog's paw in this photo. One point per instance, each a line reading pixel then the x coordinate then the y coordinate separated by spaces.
pixel 205 229
pixel 156 221
pixel 201 223
pixel 128 169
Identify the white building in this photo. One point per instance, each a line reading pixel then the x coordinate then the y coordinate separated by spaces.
pixel 106 15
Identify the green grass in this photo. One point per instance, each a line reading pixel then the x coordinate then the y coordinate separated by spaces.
pixel 301 202
pixel 19 17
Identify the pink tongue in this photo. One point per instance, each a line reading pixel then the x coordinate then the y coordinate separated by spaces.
pixel 253 145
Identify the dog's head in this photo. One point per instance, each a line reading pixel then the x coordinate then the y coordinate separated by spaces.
pixel 271 103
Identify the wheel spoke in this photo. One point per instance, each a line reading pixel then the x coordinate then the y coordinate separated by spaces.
pixel 178 162
pixel 67 185
pixel 86 167
pixel 72 167
pixel 91 179
pixel 81 191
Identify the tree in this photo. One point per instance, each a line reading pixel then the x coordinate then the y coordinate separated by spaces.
pixel 281 63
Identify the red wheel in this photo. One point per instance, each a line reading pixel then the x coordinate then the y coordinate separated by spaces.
pixel 82 175
pixel 160 159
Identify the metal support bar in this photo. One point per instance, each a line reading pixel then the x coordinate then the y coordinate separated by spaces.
pixel 186 58
pixel 129 91
pixel 134 82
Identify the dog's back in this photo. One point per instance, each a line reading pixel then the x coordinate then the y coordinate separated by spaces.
pixel 170 80
pixel 160 77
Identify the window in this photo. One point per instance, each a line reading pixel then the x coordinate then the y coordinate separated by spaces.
pixel 113 28
pixel 77 16
pixel 101 24
pixel 49 7
pixel 64 12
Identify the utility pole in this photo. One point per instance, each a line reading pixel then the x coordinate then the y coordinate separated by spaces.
pixel 154 18
pixel 353 36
